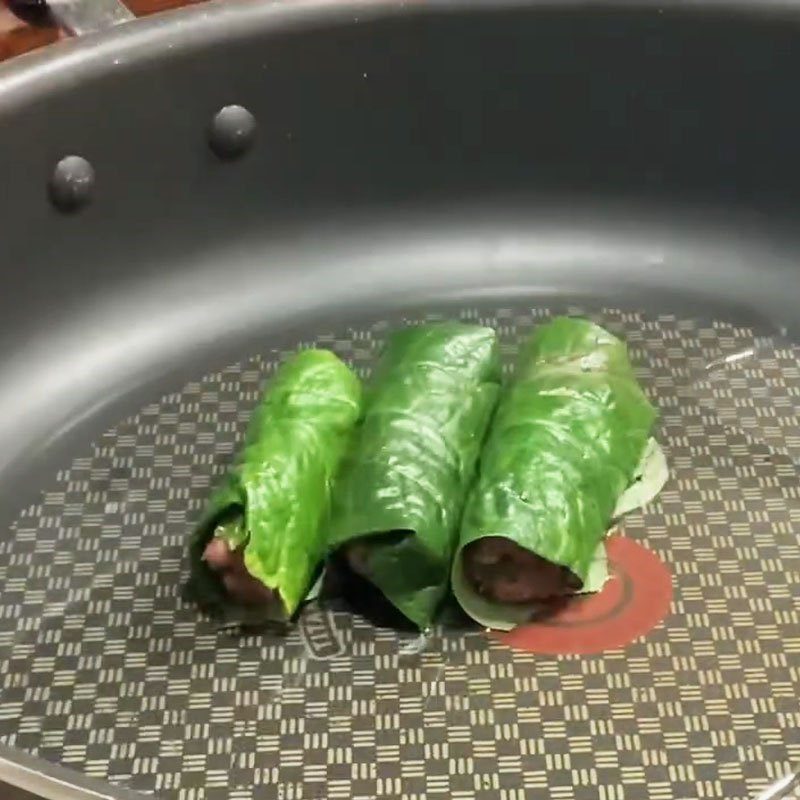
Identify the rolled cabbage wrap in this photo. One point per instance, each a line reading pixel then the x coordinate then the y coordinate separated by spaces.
pixel 263 538
pixel 564 445
pixel 402 488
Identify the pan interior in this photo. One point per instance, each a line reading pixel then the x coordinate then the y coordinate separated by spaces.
pixel 487 156
pixel 106 670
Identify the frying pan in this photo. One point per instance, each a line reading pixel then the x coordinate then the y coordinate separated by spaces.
pixel 187 197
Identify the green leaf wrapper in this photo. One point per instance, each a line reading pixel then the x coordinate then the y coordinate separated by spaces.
pixel 565 444
pixel 402 488
pixel 276 498
pixel 648 480
pixel 651 475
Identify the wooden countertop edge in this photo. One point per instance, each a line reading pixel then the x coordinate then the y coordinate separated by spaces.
pixel 17 37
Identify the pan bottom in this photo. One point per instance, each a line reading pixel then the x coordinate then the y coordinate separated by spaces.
pixel 104 669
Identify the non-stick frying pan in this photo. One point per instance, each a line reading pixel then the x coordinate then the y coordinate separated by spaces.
pixel 187 197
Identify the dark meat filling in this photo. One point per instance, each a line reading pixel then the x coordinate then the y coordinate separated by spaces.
pixel 501 570
pixel 240 585
pixel 357 555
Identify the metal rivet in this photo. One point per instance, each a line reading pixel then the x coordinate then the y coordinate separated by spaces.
pixel 71 183
pixel 232 132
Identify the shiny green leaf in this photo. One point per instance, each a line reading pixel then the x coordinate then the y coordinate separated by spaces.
pixel 276 498
pixel 563 447
pixel 648 480
pixel 403 484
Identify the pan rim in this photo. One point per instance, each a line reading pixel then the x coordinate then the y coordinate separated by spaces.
pixel 35 75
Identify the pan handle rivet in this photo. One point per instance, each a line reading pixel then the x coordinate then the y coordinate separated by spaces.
pixel 71 183
pixel 232 132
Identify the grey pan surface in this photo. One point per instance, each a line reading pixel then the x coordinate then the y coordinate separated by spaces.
pixel 405 157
